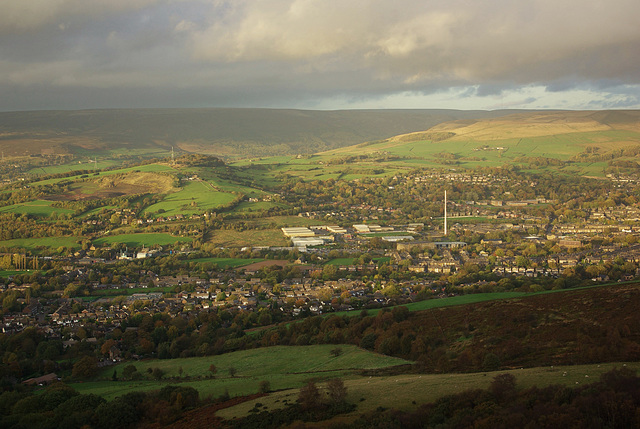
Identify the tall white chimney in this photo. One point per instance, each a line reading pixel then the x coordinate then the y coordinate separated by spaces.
pixel 445 212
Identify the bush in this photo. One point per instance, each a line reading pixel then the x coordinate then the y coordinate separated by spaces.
pixel 491 362
pixel 337 391
pixel 309 397
pixel 264 387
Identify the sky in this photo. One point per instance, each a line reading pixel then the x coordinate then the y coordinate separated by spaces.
pixel 319 54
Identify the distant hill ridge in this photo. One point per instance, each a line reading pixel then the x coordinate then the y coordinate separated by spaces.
pixel 528 124
pixel 229 133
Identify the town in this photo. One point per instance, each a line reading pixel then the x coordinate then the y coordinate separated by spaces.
pixel 490 245
pixel 301 214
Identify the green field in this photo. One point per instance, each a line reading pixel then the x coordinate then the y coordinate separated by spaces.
pixel 142 239
pixel 73 166
pixel 152 168
pixel 194 197
pixel 7 273
pixel 35 244
pixel 232 238
pixel 246 206
pixel 225 263
pixel 407 391
pixel 476 149
pixel 285 367
pixel 40 208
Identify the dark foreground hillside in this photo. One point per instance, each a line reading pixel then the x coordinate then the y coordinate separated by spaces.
pixel 612 402
pixel 594 325
pixel 570 327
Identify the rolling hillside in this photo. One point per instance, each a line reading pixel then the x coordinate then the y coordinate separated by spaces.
pixel 229 133
pixel 581 142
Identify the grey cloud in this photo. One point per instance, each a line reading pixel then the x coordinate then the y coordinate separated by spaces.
pixel 274 52
pixel 23 15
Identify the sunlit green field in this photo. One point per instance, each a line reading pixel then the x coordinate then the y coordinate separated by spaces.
pixel 143 239
pixel 226 262
pixel 152 168
pixel 232 238
pixel 7 273
pixel 284 367
pixel 194 197
pixel 40 208
pixel 473 152
pixel 34 244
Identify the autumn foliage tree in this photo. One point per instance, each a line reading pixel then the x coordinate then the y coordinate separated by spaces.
pixel 337 392
pixel 84 368
pixel 309 396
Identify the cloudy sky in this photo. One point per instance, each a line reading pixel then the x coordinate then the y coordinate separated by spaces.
pixel 319 54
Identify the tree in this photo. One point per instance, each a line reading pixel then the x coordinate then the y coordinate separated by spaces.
pixel 129 372
pixel 86 367
pixel 264 386
pixel 503 386
pixel 337 391
pixel 368 341
pixel 309 396
pixel 491 362
pixel 117 413
pixel 106 347
pixel 336 352
pixel 157 373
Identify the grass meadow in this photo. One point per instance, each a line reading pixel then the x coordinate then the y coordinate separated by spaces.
pixel 194 197
pixel 35 244
pixel 407 391
pixel 285 367
pixel 232 238
pixel 225 263
pixel 7 273
pixel 142 239
pixel 73 166
pixel 476 150
pixel 39 208
pixel 151 168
